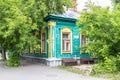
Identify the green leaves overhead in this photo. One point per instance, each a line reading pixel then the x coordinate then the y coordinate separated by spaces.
pixel 18 18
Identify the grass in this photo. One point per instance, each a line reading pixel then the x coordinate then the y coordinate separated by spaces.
pixel 109 76
pixel 71 69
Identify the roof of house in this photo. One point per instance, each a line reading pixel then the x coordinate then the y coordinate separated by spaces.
pixel 68 15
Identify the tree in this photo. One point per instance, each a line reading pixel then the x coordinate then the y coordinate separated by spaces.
pixel 116 1
pixel 102 27
pixel 19 19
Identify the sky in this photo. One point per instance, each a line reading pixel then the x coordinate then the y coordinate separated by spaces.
pixel 103 3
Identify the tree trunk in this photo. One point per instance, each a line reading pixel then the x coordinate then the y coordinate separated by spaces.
pixel 3 54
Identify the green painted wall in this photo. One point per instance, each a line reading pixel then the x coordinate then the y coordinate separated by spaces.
pixel 67 23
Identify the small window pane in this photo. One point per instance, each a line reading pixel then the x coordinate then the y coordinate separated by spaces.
pixel 66 42
pixel 43 42
pixel 68 46
pixel 63 45
pixel 84 40
pixel 65 36
pixel 43 36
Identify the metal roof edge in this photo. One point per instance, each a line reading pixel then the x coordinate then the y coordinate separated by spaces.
pixel 47 18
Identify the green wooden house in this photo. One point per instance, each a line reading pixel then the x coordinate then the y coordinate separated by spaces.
pixel 61 38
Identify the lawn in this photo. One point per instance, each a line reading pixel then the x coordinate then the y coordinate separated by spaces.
pixel 70 69
pixel 109 76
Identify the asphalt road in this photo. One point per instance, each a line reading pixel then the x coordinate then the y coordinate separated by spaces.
pixel 37 71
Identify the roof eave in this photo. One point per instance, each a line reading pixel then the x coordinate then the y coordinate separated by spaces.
pixel 59 18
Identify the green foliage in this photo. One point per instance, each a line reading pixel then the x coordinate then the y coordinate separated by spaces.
pixel 102 27
pixel 15 26
pixel 109 66
pixel 107 76
pixel 20 18
pixel 116 1
pixel 14 60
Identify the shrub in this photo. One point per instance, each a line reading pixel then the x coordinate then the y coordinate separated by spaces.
pixel 118 64
pixel 14 60
pixel 102 28
pixel 110 65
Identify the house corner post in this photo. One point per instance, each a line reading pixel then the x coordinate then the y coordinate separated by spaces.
pixel 52 39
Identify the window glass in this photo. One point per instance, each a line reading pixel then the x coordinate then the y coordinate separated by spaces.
pixel 43 42
pixel 66 36
pixel 84 41
pixel 66 44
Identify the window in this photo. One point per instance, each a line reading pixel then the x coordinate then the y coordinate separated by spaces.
pixel 84 41
pixel 66 42
pixel 66 39
pixel 37 47
pixel 43 42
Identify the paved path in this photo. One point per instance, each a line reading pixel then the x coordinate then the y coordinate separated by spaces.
pixel 37 71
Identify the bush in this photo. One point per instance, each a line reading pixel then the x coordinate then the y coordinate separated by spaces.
pixel 110 65
pixel 118 64
pixel 14 60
